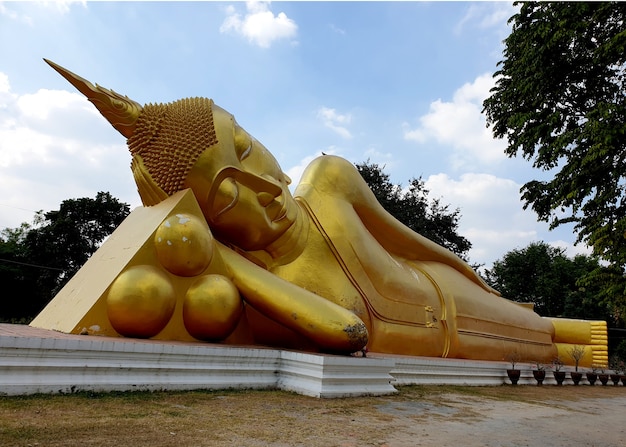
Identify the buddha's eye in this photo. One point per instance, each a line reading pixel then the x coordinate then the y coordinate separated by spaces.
pixel 243 143
pixel 226 197
pixel 246 152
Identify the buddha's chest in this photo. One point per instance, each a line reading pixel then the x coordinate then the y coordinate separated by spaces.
pixel 318 270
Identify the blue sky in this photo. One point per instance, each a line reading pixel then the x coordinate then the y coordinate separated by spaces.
pixel 398 83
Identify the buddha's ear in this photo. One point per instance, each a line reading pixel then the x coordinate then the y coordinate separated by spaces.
pixel 150 193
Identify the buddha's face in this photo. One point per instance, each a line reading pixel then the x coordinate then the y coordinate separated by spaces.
pixel 241 189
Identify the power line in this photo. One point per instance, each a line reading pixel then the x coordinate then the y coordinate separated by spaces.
pixel 18 208
pixel 31 265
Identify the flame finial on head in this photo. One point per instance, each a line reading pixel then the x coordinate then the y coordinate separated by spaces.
pixel 165 140
pixel 121 111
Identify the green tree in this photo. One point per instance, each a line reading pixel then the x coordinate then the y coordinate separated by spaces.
pixel 17 276
pixel 39 259
pixel 560 101
pixel 414 209
pixel 542 275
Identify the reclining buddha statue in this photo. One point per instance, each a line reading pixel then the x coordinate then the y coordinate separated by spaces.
pixel 222 251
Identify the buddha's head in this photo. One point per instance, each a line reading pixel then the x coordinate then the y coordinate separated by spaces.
pixel 193 143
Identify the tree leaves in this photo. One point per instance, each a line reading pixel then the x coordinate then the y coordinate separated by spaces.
pixel 543 275
pixel 39 259
pixel 560 101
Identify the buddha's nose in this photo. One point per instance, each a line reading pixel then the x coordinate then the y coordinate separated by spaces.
pixel 265 198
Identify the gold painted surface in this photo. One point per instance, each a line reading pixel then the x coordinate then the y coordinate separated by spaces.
pixel 324 269
pixel 590 334
pixel 212 308
pixel 140 302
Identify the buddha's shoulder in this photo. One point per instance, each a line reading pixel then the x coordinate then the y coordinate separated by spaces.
pixel 331 177
pixel 331 170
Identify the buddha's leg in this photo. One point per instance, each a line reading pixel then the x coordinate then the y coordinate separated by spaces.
pixel 485 326
pixel 591 335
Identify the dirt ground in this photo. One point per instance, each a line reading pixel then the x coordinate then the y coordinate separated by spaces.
pixel 504 416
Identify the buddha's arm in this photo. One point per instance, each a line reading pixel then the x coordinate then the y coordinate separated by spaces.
pixel 398 239
pixel 330 326
pixel 334 176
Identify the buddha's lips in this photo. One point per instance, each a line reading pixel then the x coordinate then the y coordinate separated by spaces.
pixel 282 209
pixel 281 215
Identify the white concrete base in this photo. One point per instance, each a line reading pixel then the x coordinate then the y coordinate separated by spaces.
pixel 39 361
pixel 438 371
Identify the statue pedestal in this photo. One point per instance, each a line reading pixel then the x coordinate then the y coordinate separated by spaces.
pixel 34 360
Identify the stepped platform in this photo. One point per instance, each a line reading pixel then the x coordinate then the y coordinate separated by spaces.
pixel 34 360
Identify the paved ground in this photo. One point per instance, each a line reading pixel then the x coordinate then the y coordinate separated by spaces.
pixel 462 420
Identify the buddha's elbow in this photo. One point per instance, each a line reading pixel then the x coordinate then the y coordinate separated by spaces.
pixel 350 337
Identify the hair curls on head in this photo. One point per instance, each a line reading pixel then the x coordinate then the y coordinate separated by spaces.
pixel 169 138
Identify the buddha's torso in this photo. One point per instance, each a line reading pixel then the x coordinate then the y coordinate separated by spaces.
pixel 391 295
pixel 317 270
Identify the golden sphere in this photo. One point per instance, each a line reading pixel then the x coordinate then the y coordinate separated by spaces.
pixel 212 308
pixel 140 302
pixel 184 245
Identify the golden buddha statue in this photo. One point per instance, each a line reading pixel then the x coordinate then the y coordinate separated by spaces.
pixel 325 269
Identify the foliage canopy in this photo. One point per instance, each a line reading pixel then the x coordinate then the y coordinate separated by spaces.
pixel 542 275
pixel 560 101
pixel 38 259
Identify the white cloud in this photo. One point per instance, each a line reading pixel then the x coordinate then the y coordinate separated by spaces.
pixel 385 159
pixel 6 97
pixel 460 125
pixel 489 18
pixel 335 121
pixel 7 12
pixel 571 250
pixel 295 172
pixel 488 15
pixel 337 30
pixel 60 6
pixel 40 105
pixel 492 217
pixel 63 6
pixel 54 146
pixel 11 14
pixel 5 86
pixel 259 25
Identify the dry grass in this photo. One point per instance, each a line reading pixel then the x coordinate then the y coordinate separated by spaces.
pixel 252 418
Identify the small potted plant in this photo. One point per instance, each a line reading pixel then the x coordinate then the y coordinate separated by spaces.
pixel 577 352
pixel 603 376
pixel 618 368
pixel 513 358
pixel 621 369
pixel 539 373
pixel 559 375
pixel 592 375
